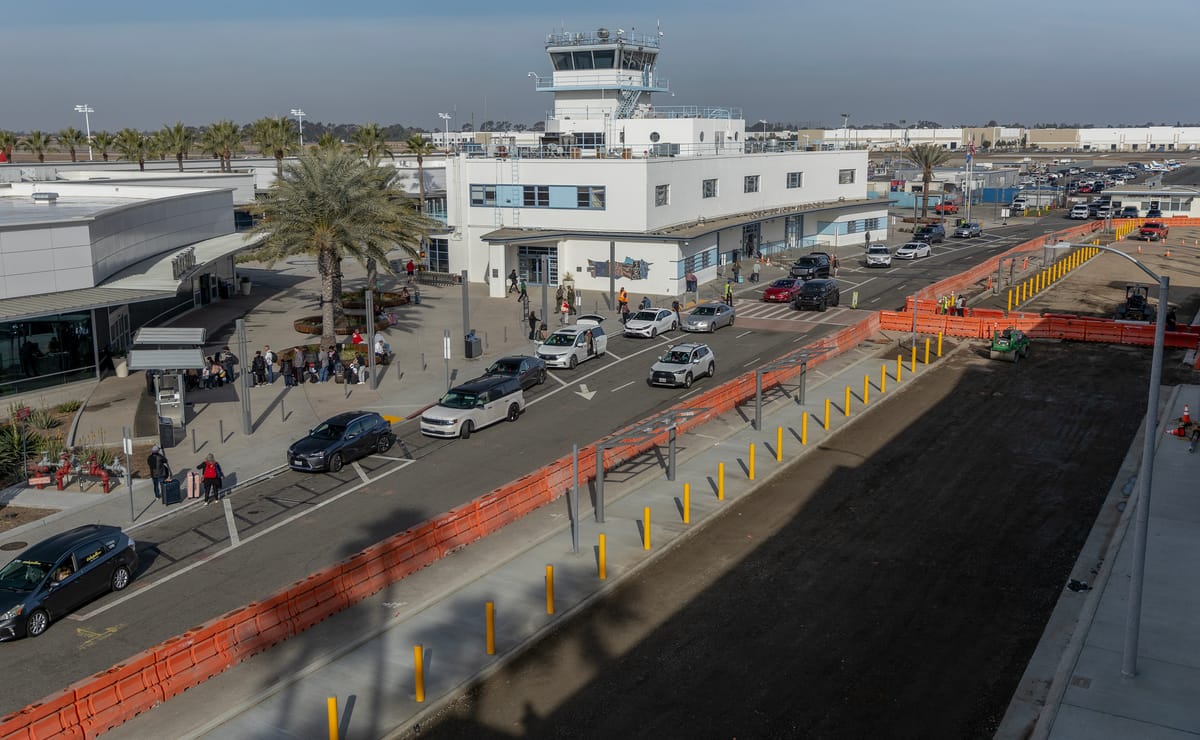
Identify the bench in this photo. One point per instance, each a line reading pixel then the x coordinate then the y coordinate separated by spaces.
pixel 429 277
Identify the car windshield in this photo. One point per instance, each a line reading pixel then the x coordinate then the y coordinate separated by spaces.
pixel 505 367
pixel 328 431
pixel 23 575
pixel 783 283
pixel 560 340
pixel 807 262
pixel 457 399
pixel 877 250
pixel 813 288
pixel 676 357
pixel 645 316
pixel 711 310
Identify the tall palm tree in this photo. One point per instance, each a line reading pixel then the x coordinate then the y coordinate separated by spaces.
pixel 420 147
pixel 103 142
pixel 72 138
pixel 8 140
pixel 178 140
pixel 275 137
pixel 157 146
pixel 328 142
pixel 331 204
pixel 368 141
pixel 926 157
pixel 133 146
pixel 37 142
pixel 222 139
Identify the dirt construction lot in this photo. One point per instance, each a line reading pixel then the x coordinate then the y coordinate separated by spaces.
pixel 893 584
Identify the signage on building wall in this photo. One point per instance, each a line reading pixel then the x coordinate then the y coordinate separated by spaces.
pixel 630 268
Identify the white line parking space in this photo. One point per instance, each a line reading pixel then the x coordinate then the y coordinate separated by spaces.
pixel 229 521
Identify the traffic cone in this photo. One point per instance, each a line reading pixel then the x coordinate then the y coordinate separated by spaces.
pixel 1187 415
pixel 1178 432
pixel 1168 254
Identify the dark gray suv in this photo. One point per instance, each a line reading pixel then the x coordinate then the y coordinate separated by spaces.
pixel 341 439
pixel 930 234
pixel 819 295
pixel 813 265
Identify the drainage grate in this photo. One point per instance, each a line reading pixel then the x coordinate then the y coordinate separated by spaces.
pixel 18 545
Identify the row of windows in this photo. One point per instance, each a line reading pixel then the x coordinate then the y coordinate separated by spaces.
pixel 750 184
pixel 538 196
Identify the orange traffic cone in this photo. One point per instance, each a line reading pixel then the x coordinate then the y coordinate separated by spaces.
pixel 1168 254
pixel 1187 415
pixel 1179 432
pixel 1139 249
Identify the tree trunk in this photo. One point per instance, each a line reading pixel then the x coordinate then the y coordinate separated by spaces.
pixel 142 164
pixel 372 273
pixel 421 184
pixel 327 266
pixel 279 164
pixel 925 193
pixel 73 156
pixel 179 159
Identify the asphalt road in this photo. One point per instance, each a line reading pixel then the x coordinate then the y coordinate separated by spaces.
pixel 294 524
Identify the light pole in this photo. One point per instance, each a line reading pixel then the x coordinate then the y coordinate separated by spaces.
pixel 86 110
pixel 904 141
pixel 446 119
pixel 299 114
pixel 846 129
pixel 762 137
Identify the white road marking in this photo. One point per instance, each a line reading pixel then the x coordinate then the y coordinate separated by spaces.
pixel 739 336
pixel 560 380
pixel 393 459
pixel 619 387
pixel 233 533
pixel 618 359
pixel 748 364
pixel 597 371
pixel 691 393
pixel 361 473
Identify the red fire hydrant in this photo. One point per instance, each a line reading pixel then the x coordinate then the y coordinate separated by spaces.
pixel 98 470
pixel 64 469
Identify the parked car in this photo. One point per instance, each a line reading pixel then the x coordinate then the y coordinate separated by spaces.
pixel 474 405
pixel 1128 212
pixel 946 207
pixel 650 322
pixel 930 234
pixel 1080 211
pixel 574 344
pixel 969 230
pixel 709 317
pixel 812 265
pixel 913 250
pixel 782 290
pixel 339 440
pixel 878 255
pixel 683 363
pixel 1154 213
pixel 1104 212
pixel 530 371
pixel 61 573
pixel 1153 231
pixel 819 295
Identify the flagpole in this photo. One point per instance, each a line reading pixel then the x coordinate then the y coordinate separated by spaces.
pixel 970 169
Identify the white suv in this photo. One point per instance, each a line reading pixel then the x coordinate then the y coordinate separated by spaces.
pixel 878 255
pixel 1080 211
pixel 474 405
pixel 571 345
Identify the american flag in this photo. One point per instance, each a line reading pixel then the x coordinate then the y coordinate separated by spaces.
pixel 970 150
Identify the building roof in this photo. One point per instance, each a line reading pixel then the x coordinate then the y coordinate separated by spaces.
pixel 21 209
pixel 1187 191
pixel 173 335
pixel 166 359
pixel 158 272
pixel 68 301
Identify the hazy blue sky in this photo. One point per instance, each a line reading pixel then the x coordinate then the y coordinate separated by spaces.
pixel 144 63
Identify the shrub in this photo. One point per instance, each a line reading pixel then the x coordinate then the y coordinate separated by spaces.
pixel 68 407
pixel 43 419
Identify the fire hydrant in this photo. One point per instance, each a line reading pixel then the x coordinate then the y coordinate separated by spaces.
pixel 97 470
pixel 64 469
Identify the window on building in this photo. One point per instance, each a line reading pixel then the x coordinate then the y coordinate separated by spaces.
pixel 699 261
pixel 438 255
pixel 536 196
pixel 483 195
pixel 662 195
pixel 751 183
pixel 590 197
pixel 795 179
pixel 709 189
pixel 845 177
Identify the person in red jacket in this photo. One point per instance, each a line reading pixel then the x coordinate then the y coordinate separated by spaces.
pixel 210 478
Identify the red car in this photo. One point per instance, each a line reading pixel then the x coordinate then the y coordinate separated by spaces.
pixel 946 206
pixel 783 290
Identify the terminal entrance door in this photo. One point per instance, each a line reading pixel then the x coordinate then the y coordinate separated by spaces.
pixel 529 264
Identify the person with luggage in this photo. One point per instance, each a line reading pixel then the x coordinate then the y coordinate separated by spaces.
pixel 210 478
pixel 258 369
pixel 160 470
pixel 228 360
pixel 533 323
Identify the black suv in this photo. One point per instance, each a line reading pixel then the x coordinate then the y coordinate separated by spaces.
pixel 340 439
pixel 813 265
pixel 59 574
pixel 818 294
pixel 930 234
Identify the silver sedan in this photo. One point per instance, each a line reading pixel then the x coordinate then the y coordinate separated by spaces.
pixel 913 250
pixel 708 317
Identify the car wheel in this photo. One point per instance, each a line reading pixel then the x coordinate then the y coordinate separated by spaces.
pixel 385 443
pixel 336 462
pixel 573 362
pixel 37 623
pixel 120 578
pixel 468 426
pixel 837 299
pixel 653 332
pixel 687 380
pixel 731 318
pixel 712 369
pixel 541 377
pixel 822 306
pixel 514 412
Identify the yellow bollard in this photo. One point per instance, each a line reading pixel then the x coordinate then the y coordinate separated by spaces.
pixel 750 466
pixel 602 561
pixel 549 589
pixel 687 503
pixel 331 710
pixel 646 528
pixel 827 404
pixel 939 352
pixel 866 390
pixel 913 366
pixel 779 444
pixel 899 367
pixel 804 429
pixel 926 350
pixel 846 408
pixel 720 481
pixel 883 379
pixel 419 671
pixel 1009 307
pixel 490 616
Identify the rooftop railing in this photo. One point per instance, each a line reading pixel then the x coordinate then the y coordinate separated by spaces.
pixel 601 37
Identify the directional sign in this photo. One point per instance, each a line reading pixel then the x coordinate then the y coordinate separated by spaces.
pixel 583 391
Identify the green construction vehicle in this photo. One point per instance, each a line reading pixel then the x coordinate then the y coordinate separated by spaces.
pixel 1009 345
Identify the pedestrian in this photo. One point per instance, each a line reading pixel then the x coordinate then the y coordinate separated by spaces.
pixel 867 239
pixel 287 368
pixel 622 300
pixel 691 282
pixel 410 268
pixel 228 360
pixel 962 306
pixel 757 269
pixel 836 265
pixel 676 308
pixel 269 356
pixel 625 313
pixel 258 370
pixel 543 332
pixel 218 372
pixel 571 298
pixel 512 281
pixel 383 351
pixel 210 478
pixel 737 271
pixel 728 293
pixel 523 295
pixel 160 470
pixel 1172 321
pixel 533 322
pixel 565 309
pixel 356 338
pixel 645 303
pixel 298 365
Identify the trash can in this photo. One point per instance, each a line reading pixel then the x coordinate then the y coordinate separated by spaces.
pixel 224 289
pixel 474 346
pixel 244 283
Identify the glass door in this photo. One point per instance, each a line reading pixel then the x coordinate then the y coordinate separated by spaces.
pixel 529 264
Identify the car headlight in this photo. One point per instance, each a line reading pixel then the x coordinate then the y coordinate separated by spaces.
pixel 318 453
pixel 12 613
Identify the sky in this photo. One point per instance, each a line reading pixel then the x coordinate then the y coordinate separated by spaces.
pixel 146 63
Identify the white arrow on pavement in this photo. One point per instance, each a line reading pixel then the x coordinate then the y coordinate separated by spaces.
pixel 583 391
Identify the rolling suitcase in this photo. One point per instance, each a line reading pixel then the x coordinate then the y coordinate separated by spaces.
pixel 193 484
pixel 172 493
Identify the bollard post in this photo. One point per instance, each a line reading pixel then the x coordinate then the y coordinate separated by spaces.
pixel 282 411
pixel 913 366
pixel 779 444
pixel 846 408
pixel 549 589
pixel 827 405
pixel 331 711
pixel 602 562
pixel 490 613
pixel 750 466
pixel 687 503
pixel 883 378
pixel 646 528
pixel 939 352
pixel 221 430
pixel 866 389
pixel 804 429
pixel 1009 308
pixel 926 350
pixel 899 367
pixel 720 481
pixel 419 671
pixel 193 440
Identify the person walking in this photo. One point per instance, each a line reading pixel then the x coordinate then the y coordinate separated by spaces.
pixel 210 478
pixel 523 291
pixel 533 323
pixel 678 316
pixel 691 282
pixel 410 268
pixel 160 470
pixel 961 305
pixel 625 313
pixel 756 270
pixel 512 281
pixel 728 293
pixel 565 309
pixel 622 300
pixel 737 271
pixel 269 357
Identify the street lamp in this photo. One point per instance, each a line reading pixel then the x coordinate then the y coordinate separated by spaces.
pixel 846 128
pixel 299 114
pixel 446 118
pixel 86 110
pixel 903 125
pixel 763 123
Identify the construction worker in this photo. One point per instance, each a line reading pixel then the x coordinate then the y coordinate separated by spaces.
pixel 622 300
pixel 728 292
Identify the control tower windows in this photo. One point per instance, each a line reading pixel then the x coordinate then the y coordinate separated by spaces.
pixel 561 61
pixel 604 58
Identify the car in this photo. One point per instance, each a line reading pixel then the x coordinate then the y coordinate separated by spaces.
pixel 530 371
pixel 709 317
pixel 1154 213
pixel 474 405
pixel 571 345
pixel 931 234
pixel 969 230
pixel 1080 211
pixel 819 295
pixel 1128 212
pixel 650 322
pixel 878 255
pixel 1152 231
pixel 683 363
pixel 1086 187
pixel 946 207
pixel 341 439
pixel 1104 212
pixel 812 265
pixel 782 290
pixel 61 573
pixel 913 250
pixel 1018 204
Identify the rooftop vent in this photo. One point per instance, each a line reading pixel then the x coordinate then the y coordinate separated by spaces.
pixel 602 34
pixel 45 197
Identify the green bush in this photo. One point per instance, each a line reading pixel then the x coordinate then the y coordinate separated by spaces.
pixel 42 419
pixel 68 407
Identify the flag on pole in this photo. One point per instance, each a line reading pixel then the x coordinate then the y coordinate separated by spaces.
pixel 970 150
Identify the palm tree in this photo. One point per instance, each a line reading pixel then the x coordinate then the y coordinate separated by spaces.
pixel 179 140
pixel 331 204
pixel 222 139
pixel 927 156
pixel 368 141
pixel 133 146
pixel 72 138
pixel 328 142
pixel 157 146
pixel 8 140
pixel 274 136
pixel 38 142
pixel 420 147
pixel 103 142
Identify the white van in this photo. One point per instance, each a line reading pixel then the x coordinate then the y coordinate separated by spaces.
pixel 574 344
pixel 1080 211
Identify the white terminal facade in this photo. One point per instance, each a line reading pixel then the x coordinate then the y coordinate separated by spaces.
pixel 617 185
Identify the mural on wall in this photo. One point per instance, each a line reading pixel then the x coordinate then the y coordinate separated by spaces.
pixel 630 268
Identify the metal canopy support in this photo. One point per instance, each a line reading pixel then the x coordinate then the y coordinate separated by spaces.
pixel 244 376
pixel 651 428
pixel 800 358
